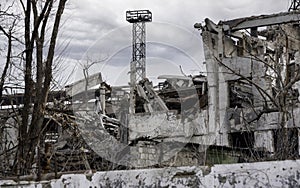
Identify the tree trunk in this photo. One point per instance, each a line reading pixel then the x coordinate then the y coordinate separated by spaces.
pixel 30 134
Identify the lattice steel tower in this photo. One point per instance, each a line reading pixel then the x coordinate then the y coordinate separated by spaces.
pixel 295 5
pixel 138 63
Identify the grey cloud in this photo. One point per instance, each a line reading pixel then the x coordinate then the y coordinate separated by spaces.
pixel 99 28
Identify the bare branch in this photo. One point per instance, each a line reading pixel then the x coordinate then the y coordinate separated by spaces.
pixel 249 80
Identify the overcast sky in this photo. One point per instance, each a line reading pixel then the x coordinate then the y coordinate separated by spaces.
pixel 98 31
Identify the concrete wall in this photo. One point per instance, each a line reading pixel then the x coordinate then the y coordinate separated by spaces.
pixel 263 174
pixel 160 125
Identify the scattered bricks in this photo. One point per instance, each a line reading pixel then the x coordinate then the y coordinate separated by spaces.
pixel 151 157
pixel 152 150
pixel 143 156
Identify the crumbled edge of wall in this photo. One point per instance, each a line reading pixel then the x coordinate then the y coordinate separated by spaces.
pixel 261 174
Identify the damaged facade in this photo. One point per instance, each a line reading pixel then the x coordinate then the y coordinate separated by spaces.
pixel 253 82
pixel 248 104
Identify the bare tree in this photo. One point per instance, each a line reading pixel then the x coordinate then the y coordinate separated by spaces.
pixel 37 21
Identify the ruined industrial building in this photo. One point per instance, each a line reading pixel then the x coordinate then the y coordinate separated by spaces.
pixel 244 109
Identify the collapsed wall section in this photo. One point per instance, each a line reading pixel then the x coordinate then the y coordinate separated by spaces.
pixel 253 81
